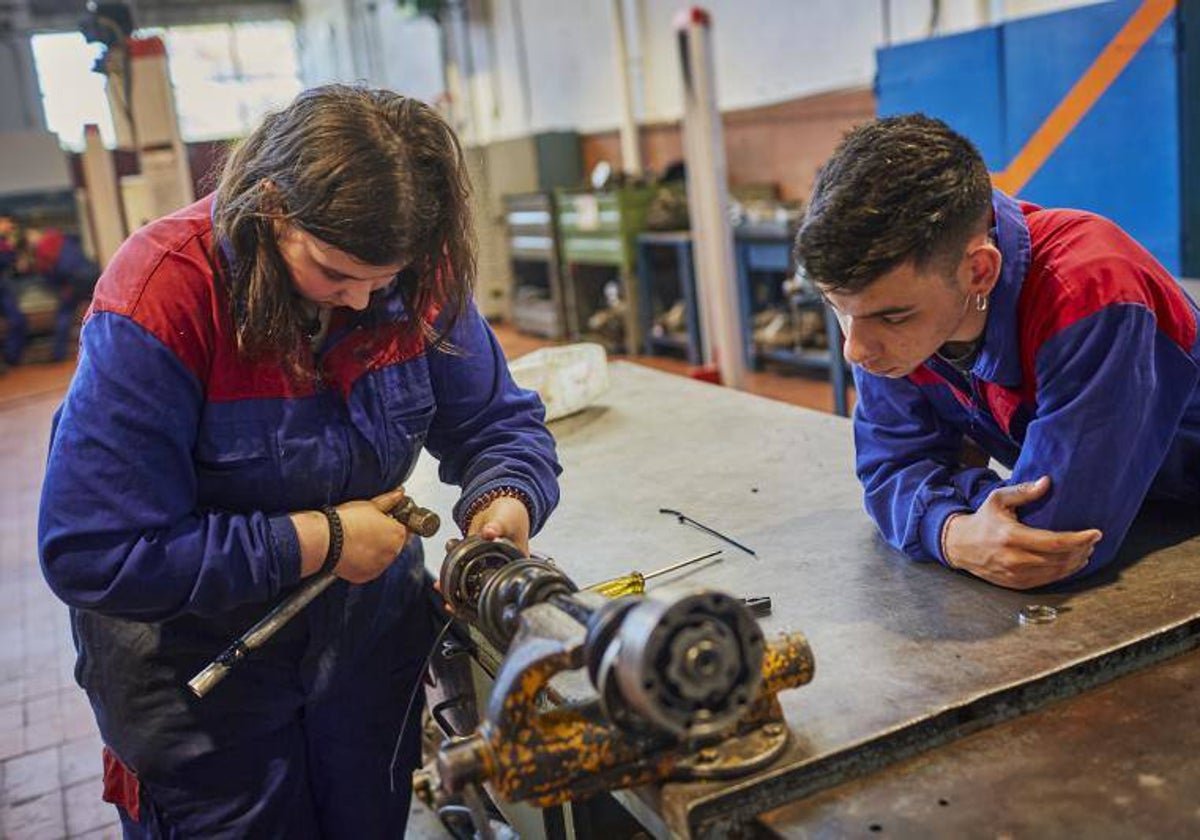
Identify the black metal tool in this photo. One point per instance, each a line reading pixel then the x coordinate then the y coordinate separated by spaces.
pixel 684 519
pixel 759 605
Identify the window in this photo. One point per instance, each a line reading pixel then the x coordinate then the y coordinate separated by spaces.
pixel 226 77
pixel 72 95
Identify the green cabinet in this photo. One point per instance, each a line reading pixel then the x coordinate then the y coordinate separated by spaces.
pixel 598 233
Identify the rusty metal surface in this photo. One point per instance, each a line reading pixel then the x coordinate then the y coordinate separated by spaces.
pixel 547 756
pixel 1121 761
pixel 900 647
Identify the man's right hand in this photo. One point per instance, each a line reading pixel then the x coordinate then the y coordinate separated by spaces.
pixel 991 543
pixel 371 538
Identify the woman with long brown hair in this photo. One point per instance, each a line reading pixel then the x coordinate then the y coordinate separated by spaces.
pixel 258 374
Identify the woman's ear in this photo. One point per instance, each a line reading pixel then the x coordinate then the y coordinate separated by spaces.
pixel 269 199
pixel 270 205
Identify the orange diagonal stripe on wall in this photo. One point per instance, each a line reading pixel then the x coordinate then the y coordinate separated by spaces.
pixel 1079 99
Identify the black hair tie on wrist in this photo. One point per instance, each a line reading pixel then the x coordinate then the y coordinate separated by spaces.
pixel 334 554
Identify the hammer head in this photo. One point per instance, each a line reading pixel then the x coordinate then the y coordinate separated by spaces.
pixel 419 520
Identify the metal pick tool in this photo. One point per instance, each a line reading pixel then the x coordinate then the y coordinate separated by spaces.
pixel 684 519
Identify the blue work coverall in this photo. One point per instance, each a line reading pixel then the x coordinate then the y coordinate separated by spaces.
pixel 1089 372
pixel 173 465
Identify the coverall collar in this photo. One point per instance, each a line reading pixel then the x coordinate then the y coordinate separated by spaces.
pixel 1000 358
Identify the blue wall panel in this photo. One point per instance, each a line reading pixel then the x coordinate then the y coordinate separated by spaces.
pixel 956 78
pixel 1122 159
pixel 997 85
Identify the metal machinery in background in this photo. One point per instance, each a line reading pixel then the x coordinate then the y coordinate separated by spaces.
pixel 598 231
pixel 540 299
pixel 678 683
pixel 539 163
pixel 670 312
pixel 772 292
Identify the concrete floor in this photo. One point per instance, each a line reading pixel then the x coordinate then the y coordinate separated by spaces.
pixel 49 750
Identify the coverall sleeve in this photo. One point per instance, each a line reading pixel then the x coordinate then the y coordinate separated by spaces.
pixel 1112 390
pixel 118 530
pixel 908 463
pixel 486 432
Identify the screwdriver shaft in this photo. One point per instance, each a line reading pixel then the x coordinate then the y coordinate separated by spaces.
pixel 681 564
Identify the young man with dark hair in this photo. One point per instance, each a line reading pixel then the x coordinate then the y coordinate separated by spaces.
pixel 1048 338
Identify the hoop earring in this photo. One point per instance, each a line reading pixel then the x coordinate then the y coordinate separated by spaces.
pixel 981 303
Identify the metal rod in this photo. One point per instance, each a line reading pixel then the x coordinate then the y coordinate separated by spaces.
pixel 681 564
pixel 688 520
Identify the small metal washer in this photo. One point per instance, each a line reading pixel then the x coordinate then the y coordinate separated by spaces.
pixel 1036 614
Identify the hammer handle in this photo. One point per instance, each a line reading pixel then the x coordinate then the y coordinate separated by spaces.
pixel 258 635
pixel 416 519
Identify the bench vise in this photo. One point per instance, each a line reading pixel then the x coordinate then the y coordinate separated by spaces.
pixel 680 683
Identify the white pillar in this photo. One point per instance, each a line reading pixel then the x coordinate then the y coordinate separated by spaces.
pixel 103 201
pixel 142 102
pixel 708 199
pixel 631 151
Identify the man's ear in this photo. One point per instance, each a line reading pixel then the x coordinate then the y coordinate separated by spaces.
pixel 984 263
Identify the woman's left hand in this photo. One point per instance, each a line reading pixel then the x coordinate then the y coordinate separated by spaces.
pixel 505 517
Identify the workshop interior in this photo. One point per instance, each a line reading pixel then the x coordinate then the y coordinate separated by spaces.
pixel 720 630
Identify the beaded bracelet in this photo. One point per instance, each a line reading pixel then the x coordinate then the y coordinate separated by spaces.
pixel 334 554
pixel 491 496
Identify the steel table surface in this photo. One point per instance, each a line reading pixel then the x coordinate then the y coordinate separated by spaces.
pixel 1122 760
pixel 909 655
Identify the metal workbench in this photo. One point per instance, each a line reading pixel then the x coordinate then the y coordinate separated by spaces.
pixel 909 656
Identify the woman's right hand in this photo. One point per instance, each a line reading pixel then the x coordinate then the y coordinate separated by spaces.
pixel 371 538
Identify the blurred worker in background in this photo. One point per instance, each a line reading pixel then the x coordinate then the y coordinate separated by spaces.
pixel 59 259
pixel 15 323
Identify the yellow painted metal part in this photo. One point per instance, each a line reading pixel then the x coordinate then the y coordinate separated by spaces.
pixel 549 757
pixel 787 663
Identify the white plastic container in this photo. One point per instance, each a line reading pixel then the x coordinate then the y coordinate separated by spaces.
pixel 567 378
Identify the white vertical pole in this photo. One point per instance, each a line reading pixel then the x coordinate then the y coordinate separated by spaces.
pixel 631 152
pixel 104 203
pixel 143 109
pixel 708 199
pixel 460 72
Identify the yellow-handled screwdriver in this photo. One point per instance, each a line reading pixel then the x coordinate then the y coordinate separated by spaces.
pixel 634 583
